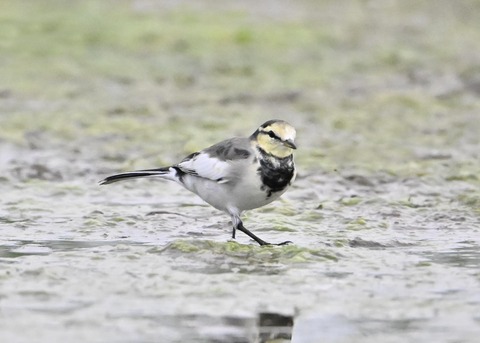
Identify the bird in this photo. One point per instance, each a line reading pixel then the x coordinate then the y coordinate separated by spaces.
pixel 235 175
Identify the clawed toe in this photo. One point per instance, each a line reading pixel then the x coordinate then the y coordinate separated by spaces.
pixel 278 244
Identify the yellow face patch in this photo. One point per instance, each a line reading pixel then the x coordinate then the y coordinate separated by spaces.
pixel 277 139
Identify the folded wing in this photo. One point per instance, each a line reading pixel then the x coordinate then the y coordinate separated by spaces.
pixel 220 162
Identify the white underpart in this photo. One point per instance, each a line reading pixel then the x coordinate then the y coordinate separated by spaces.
pixel 239 188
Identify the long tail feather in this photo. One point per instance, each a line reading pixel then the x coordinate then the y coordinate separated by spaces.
pixel 165 172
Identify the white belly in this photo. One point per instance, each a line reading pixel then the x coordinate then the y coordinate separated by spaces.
pixel 241 195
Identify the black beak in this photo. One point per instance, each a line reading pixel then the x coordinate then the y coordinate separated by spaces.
pixel 290 144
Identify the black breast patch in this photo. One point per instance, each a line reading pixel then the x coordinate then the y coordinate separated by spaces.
pixel 276 177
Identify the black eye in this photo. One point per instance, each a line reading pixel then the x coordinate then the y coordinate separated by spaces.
pixel 272 134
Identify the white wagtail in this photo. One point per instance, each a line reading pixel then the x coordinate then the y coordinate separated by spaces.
pixel 236 174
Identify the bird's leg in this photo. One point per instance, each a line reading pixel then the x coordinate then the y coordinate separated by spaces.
pixel 250 234
pixel 254 237
pixel 235 219
pixel 237 224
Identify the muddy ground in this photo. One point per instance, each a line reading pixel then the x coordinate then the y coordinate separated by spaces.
pixel 384 216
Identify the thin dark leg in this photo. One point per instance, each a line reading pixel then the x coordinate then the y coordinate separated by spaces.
pixel 254 237
pixel 233 232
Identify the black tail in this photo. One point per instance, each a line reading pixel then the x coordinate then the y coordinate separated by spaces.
pixel 135 174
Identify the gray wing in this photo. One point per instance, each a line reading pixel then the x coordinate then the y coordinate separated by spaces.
pixel 231 149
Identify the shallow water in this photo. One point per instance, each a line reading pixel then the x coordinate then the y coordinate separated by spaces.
pixel 377 269
pixel 384 216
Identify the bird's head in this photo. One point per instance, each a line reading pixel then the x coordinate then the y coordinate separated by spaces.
pixel 276 137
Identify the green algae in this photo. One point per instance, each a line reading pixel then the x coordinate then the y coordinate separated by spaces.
pixel 311 216
pixel 272 254
pixel 350 201
pixel 84 58
pixel 471 200
pixel 283 228
pixel 360 221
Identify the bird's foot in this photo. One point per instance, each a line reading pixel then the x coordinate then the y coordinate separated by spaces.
pixel 263 243
pixel 257 239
